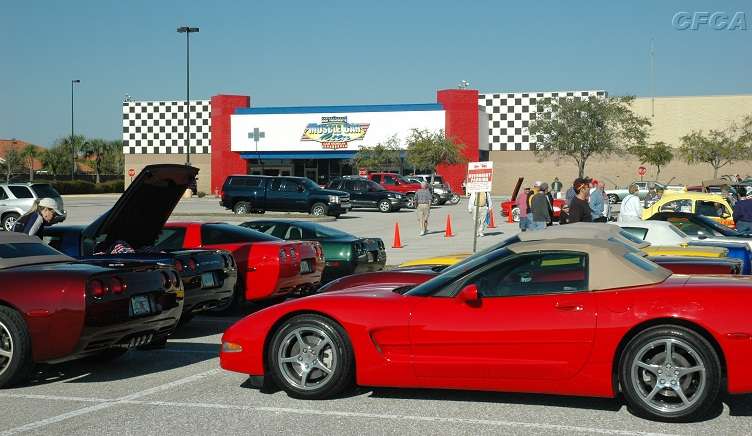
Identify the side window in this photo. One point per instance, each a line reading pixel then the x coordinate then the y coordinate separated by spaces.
pixel 389 180
pixel 376 178
pixel 290 186
pixel 710 208
pixel 638 232
pixel 269 229
pixel 3 195
pixel 685 225
pixel 276 184
pixel 359 185
pixel 170 239
pixel 677 206
pixel 533 274
pixel 336 184
pixel 347 185
pixel 21 192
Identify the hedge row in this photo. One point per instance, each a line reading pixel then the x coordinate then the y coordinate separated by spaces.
pixel 68 187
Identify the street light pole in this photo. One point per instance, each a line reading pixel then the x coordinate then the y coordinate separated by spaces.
pixel 73 144
pixel 187 30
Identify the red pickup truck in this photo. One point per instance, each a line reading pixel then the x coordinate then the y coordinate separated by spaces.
pixel 396 183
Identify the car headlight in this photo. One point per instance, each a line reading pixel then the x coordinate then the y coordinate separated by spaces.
pixel 333 199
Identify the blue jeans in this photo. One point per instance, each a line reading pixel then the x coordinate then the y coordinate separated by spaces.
pixel 744 227
pixel 524 223
pixel 537 225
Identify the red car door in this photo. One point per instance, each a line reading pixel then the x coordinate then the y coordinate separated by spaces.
pixel 534 320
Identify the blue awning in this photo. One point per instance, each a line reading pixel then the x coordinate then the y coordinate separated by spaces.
pixel 299 155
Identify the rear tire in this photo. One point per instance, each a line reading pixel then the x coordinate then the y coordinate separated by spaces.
pixel 670 373
pixel 410 201
pixel 385 206
pixel 516 214
pixel 322 366
pixel 9 219
pixel 242 208
pixel 318 209
pixel 435 200
pixel 455 199
pixel 613 198
pixel 15 345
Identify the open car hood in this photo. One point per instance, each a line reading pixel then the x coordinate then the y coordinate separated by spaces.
pixel 143 209
pixel 517 188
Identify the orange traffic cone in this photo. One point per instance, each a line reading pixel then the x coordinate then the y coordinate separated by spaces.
pixel 491 221
pixel 448 231
pixel 397 242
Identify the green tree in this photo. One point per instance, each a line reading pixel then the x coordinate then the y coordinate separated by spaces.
pixel 114 160
pixel 579 129
pixel 57 159
pixel 29 154
pixel 717 148
pixel 73 145
pixel 12 163
pixel 98 151
pixel 657 154
pixel 382 156
pixel 428 149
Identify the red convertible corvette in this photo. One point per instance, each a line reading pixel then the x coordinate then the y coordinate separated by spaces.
pixel 510 206
pixel 53 308
pixel 268 267
pixel 582 317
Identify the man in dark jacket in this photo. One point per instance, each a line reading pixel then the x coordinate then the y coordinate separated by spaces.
pixel 579 208
pixel 539 206
pixel 743 215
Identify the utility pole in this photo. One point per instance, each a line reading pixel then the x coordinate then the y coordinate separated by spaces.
pixel 72 142
pixel 652 78
pixel 187 30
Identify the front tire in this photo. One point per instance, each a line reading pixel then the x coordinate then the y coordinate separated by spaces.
pixel 318 209
pixel 385 206
pixel 613 198
pixel 410 201
pixel 516 214
pixel 310 357
pixel 455 199
pixel 242 208
pixel 15 348
pixel 670 373
pixel 9 220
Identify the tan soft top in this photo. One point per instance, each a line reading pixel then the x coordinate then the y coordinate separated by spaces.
pixel 582 230
pixel 608 263
pixel 22 238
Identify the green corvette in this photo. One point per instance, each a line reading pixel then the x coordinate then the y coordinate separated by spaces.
pixel 344 253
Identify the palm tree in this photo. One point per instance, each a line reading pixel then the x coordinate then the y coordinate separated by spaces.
pixel 96 149
pixel 30 153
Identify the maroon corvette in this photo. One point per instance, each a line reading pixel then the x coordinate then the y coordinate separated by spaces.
pixel 53 308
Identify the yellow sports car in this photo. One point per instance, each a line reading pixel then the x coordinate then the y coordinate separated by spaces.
pixel 713 206
pixel 715 252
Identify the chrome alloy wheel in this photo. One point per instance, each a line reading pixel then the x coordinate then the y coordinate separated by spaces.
pixel 307 358
pixel 668 375
pixel 6 348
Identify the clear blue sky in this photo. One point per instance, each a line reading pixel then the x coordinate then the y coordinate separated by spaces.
pixel 339 52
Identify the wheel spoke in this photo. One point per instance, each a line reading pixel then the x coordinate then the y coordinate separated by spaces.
pixel 678 389
pixel 650 368
pixel 304 377
pixel 669 352
pixel 652 393
pixel 293 359
pixel 690 370
pixel 320 346
pixel 301 342
pixel 321 366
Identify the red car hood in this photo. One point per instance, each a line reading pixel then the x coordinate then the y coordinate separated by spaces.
pixel 376 281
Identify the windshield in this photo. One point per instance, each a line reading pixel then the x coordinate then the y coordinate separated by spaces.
pixel 26 249
pixel 718 227
pixel 44 190
pixel 373 186
pixel 500 245
pixel 231 234
pixel 456 271
pixel 324 231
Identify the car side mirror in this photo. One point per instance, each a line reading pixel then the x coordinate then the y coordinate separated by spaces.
pixel 701 235
pixel 469 295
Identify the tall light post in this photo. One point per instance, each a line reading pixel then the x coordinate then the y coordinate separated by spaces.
pixel 73 144
pixel 187 30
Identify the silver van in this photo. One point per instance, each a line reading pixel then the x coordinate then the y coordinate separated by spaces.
pixel 17 198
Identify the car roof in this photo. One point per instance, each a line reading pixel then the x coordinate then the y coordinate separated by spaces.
pixel 582 230
pixel 22 238
pixel 608 263
pixel 692 195
pixel 646 224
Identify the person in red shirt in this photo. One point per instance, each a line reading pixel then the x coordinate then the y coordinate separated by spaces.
pixel 523 208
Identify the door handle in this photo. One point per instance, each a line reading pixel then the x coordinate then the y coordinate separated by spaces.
pixel 569 307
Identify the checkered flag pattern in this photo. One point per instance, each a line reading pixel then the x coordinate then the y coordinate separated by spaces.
pixel 151 127
pixel 510 114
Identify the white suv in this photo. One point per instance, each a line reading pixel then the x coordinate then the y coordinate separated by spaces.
pixel 17 198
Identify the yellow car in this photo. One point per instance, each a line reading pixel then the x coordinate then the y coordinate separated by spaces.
pixel 715 252
pixel 713 206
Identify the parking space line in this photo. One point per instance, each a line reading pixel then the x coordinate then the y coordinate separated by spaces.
pixel 54 398
pixel 90 409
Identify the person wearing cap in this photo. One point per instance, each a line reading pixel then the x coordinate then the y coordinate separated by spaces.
pixel 579 207
pixel 631 207
pixel 539 207
pixel 42 214
pixel 596 203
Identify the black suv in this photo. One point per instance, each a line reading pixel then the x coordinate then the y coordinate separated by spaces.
pixel 248 194
pixel 368 194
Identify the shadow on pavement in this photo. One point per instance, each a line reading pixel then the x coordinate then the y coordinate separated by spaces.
pixel 739 405
pixel 134 363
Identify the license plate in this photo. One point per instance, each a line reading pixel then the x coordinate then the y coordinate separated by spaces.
pixel 140 305
pixel 370 257
pixel 305 267
pixel 207 280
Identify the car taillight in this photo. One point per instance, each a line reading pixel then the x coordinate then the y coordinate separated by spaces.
pixel 192 265
pixel 179 265
pixel 166 282
pixel 117 285
pixel 96 288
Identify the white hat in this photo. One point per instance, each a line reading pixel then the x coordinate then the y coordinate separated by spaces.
pixel 537 183
pixel 50 204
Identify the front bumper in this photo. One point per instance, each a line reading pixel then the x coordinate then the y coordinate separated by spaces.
pixel 338 208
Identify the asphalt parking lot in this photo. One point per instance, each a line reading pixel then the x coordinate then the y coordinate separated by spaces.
pixel 181 390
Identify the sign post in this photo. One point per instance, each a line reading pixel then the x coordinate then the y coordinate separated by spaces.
pixel 641 172
pixel 479 179
pixel 131 173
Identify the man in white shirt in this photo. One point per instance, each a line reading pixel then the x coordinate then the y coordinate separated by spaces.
pixel 631 207
pixel 483 202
